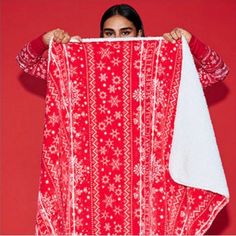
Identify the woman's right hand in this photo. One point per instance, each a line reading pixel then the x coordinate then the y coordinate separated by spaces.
pixel 59 36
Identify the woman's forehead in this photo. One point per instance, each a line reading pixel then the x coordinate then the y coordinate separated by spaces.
pixel 117 22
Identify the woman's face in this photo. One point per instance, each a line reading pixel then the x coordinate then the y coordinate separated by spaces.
pixel 119 27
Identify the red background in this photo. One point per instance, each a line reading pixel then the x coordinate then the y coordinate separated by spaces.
pixel 22 97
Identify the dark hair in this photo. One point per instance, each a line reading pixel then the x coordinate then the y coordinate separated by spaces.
pixel 123 10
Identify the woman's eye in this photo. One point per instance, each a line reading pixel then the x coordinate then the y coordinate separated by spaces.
pixel 125 33
pixel 108 34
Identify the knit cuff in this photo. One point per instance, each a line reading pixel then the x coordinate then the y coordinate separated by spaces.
pixel 198 48
pixel 37 46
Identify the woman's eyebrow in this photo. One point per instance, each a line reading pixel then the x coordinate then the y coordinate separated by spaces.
pixel 126 28
pixel 108 29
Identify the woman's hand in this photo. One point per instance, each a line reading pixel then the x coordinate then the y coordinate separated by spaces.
pixel 176 33
pixel 59 36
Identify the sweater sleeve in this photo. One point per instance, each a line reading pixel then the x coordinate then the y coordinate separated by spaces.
pixel 31 59
pixel 210 66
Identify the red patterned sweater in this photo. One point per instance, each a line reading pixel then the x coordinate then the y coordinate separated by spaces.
pixel 210 66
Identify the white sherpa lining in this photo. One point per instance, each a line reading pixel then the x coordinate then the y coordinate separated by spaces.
pixel 194 158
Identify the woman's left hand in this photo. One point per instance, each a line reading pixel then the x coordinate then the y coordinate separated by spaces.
pixel 176 33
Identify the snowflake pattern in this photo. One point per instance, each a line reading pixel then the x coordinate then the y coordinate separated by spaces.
pixel 105 154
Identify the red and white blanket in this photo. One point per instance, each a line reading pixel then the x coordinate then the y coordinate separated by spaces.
pixel 129 147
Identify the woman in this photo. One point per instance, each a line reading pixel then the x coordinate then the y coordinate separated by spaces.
pixel 123 21
pixel 64 198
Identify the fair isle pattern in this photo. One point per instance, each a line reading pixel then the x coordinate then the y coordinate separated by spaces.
pixel 127 141
pixel 93 138
pixel 35 65
pixel 110 111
